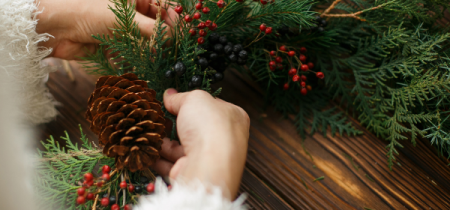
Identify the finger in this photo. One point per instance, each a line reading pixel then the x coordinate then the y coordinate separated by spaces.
pixel 162 166
pixel 171 150
pixel 149 8
pixel 177 167
pixel 147 25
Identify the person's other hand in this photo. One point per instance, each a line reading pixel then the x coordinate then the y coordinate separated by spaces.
pixel 214 136
pixel 72 23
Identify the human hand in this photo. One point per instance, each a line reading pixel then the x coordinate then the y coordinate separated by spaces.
pixel 72 23
pixel 214 137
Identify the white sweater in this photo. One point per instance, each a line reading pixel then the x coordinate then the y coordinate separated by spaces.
pixel 24 96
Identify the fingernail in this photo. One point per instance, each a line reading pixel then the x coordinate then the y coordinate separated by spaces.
pixel 170 91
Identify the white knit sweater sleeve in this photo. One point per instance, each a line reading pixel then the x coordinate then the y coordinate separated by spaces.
pixel 191 196
pixel 20 59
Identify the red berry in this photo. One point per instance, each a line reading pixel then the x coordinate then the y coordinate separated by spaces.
pixel 295 78
pixel 123 185
pixel 200 40
pixel 239 0
pixel 88 177
pixel 320 75
pixel 279 66
pixel 105 202
pixel 279 59
pixel 99 184
pixel 208 23
pixel 197 16
pixel 273 53
pixel 90 196
pixel 106 169
pixel 268 30
pixel 272 68
pixel 212 27
pixel 283 48
pixel 303 77
pixel 150 187
pixel 178 9
pixel 201 25
pixel 106 177
pixel 88 183
pixel 303 49
pixel 292 72
pixel 81 200
pixel 302 58
pixel 272 63
pixel 127 207
pixel 81 191
pixel 286 86
pixel 188 18
pixel 192 32
pixel 310 65
pixel 115 207
pixel 304 67
pixel 131 188
pixel 263 2
pixel 198 6
pixel 309 87
pixel 205 10
pixel 303 91
pixel 262 27
pixel 221 4
pixel 303 84
pixel 202 32
pixel 291 53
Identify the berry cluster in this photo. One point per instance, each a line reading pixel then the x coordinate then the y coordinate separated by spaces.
pixel 320 24
pixel 86 193
pixel 201 27
pixel 297 74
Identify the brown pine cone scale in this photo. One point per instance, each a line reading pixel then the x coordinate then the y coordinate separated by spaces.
pixel 125 114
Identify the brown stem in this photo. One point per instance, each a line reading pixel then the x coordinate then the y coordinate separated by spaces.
pixel 330 8
pixel 352 15
pixel 94 206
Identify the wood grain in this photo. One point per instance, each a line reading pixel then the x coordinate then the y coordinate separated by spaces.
pixel 280 170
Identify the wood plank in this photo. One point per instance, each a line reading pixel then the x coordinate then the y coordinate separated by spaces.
pixel 279 172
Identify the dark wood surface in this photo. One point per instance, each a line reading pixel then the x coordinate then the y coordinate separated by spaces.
pixel 280 169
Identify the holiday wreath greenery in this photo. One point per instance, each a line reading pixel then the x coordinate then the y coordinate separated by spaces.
pixel 385 62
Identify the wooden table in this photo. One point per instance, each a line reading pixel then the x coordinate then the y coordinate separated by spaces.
pixel 280 169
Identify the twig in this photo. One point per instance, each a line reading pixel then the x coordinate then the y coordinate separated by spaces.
pixel 352 15
pixel 330 8
pixel 71 154
pixel 94 206
pixel 68 70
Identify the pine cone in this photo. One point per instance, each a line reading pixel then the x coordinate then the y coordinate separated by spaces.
pixel 125 114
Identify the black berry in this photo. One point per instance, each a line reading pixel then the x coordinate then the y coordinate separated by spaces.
pixel 241 61
pixel 190 85
pixel 223 39
pixel 196 80
pixel 179 68
pixel 237 48
pixel 169 74
pixel 214 38
pixel 213 56
pixel 144 179
pixel 112 200
pixel 138 189
pixel 228 49
pixel 232 57
pixel 203 62
pixel 218 48
pixel 105 195
pixel 243 54
pixel 323 23
pixel 218 76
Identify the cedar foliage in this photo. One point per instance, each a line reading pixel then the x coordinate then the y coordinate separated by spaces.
pixel 390 68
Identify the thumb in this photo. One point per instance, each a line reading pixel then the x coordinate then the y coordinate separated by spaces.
pixel 173 100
